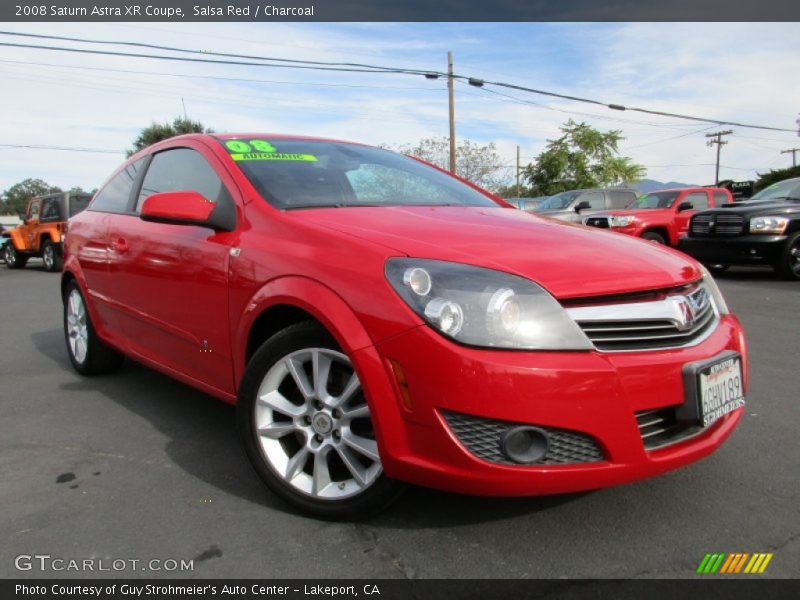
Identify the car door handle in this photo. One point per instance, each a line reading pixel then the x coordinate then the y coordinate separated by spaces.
pixel 120 246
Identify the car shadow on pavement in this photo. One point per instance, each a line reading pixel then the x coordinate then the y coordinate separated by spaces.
pixel 203 442
pixel 201 430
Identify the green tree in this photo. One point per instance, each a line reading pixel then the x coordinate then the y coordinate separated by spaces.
pixel 582 157
pixel 480 164
pixel 156 132
pixel 15 199
pixel 776 175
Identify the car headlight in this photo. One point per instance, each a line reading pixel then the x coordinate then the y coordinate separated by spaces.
pixel 713 289
pixel 773 225
pixel 621 221
pixel 483 307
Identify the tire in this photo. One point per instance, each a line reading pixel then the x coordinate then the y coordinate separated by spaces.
pixel 789 264
pixel 87 353
pixel 14 260
pixel 51 257
pixel 652 236
pixel 313 445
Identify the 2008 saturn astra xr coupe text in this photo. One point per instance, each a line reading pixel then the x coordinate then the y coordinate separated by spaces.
pixel 377 321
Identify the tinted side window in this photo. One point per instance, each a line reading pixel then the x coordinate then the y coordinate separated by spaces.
pixel 596 200
pixel 50 210
pixel 115 195
pixel 720 198
pixel 181 170
pixel 699 200
pixel 620 199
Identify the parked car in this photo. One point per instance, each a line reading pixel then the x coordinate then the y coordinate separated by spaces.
pixel 42 230
pixel 660 216
pixel 574 205
pixel 526 204
pixel 764 230
pixel 377 320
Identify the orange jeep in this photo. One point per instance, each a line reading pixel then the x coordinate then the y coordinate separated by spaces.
pixel 42 230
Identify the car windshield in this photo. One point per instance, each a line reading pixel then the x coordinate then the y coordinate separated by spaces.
pixel 783 190
pixel 559 201
pixel 654 200
pixel 292 174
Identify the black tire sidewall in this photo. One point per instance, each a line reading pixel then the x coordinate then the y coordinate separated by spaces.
pixel 297 337
pixel 785 268
pixel 100 358
pixel 652 236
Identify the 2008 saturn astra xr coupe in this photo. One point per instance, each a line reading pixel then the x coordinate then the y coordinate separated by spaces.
pixel 378 321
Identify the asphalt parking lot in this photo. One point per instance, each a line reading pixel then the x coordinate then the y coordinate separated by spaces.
pixel 137 466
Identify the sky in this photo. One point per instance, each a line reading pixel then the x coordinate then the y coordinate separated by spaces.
pixel 744 72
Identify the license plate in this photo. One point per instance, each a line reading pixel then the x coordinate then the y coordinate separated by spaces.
pixel 720 389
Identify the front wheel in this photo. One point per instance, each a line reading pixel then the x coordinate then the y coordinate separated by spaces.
pixel 87 353
pixel 13 258
pixel 789 265
pixel 51 257
pixel 307 428
pixel 652 236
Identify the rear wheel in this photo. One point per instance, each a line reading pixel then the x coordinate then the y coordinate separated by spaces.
pixel 652 236
pixel 13 258
pixel 789 265
pixel 51 257
pixel 87 353
pixel 307 428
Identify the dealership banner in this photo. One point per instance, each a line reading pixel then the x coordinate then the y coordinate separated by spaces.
pixel 402 10
pixel 383 589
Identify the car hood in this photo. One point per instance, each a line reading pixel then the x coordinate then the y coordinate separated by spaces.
pixel 645 212
pixel 758 208
pixel 568 260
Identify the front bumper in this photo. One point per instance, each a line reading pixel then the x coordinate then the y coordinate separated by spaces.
pixel 743 250
pixel 592 394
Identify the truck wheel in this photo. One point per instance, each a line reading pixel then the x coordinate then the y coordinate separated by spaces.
pixel 51 257
pixel 87 353
pixel 308 430
pixel 789 265
pixel 13 258
pixel 652 236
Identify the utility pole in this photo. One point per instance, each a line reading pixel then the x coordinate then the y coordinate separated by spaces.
pixel 794 152
pixel 517 172
pixel 185 116
pixel 717 139
pixel 452 113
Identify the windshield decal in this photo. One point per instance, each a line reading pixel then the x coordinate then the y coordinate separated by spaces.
pixel 262 150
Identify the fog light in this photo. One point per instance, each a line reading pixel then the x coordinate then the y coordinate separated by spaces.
pixel 524 445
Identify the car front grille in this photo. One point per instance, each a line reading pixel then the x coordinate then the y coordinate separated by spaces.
pixel 481 437
pixel 679 319
pixel 717 224
pixel 660 427
pixel 601 222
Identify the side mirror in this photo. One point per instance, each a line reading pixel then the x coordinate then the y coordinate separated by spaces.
pixel 582 205
pixel 186 208
pixel 685 206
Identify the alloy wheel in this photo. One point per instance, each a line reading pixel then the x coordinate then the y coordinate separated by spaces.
pixel 77 328
pixel 313 425
pixel 48 256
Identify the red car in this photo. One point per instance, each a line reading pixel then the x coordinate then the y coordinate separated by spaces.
pixel 379 321
pixel 661 216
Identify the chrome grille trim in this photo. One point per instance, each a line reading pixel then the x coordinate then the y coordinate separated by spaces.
pixel 659 427
pixel 650 325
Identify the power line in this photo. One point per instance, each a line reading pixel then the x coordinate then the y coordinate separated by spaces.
pixel 61 148
pixel 218 77
pixel 350 67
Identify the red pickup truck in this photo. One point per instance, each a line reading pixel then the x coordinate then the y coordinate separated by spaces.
pixel 661 216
